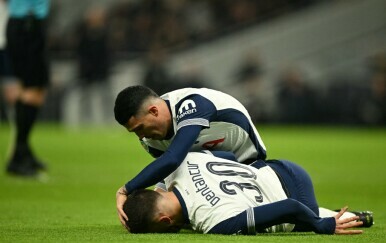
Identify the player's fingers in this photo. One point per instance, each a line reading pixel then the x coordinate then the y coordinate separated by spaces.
pixel 351 232
pixel 122 214
pixel 350 225
pixel 347 220
pixel 348 232
pixel 357 224
pixel 341 212
pixel 120 202
pixel 124 224
pixel 122 220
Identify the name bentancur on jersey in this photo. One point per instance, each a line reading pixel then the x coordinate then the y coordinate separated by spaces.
pixel 201 185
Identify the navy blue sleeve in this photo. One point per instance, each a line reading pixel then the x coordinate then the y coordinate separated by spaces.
pixel 195 109
pixel 168 161
pixel 285 211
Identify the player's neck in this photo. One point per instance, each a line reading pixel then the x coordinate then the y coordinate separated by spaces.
pixel 167 113
pixel 175 208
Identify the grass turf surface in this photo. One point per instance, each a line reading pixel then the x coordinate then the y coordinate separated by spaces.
pixel 76 202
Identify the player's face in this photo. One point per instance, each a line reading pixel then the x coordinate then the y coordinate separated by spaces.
pixel 148 125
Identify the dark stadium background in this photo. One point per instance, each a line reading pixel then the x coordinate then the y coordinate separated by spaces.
pixel 293 61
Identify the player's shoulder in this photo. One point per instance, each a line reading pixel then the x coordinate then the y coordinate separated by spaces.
pixel 201 97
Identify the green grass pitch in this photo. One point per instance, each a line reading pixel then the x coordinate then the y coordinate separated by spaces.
pixel 76 202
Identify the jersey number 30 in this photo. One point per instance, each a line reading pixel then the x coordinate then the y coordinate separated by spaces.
pixel 226 185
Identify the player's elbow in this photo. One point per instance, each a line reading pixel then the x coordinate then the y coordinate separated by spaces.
pixel 293 205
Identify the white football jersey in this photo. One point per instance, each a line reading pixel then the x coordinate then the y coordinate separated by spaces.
pixel 228 126
pixel 215 189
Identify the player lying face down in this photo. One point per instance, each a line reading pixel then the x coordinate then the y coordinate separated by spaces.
pixel 219 196
pixel 161 212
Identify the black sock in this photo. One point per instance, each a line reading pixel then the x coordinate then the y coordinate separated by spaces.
pixel 25 118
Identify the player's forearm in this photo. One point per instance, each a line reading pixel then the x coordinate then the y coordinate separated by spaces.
pixel 291 211
pixel 153 173
pixel 262 217
pixel 168 162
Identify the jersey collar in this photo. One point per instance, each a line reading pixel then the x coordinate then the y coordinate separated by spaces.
pixel 183 205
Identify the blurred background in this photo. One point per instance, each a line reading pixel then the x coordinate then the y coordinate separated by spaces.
pixel 287 61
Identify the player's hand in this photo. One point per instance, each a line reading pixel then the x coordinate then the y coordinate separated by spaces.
pixel 342 225
pixel 121 196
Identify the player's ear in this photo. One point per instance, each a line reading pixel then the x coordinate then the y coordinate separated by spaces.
pixel 165 220
pixel 153 110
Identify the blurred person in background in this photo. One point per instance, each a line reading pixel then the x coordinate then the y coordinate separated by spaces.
pixel 249 85
pixel 191 75
pixel 372 106
pixel 296 100
pixel 94 64
pixel 157 75
pixel 26 43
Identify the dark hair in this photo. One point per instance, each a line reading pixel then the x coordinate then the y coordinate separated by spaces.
pixel 140 209
pixel 129 101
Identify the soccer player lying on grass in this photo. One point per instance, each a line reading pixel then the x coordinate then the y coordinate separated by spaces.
pixel 219 196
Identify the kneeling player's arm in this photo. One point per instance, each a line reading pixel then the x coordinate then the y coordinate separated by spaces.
pixel 286 211
pixel 168 162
